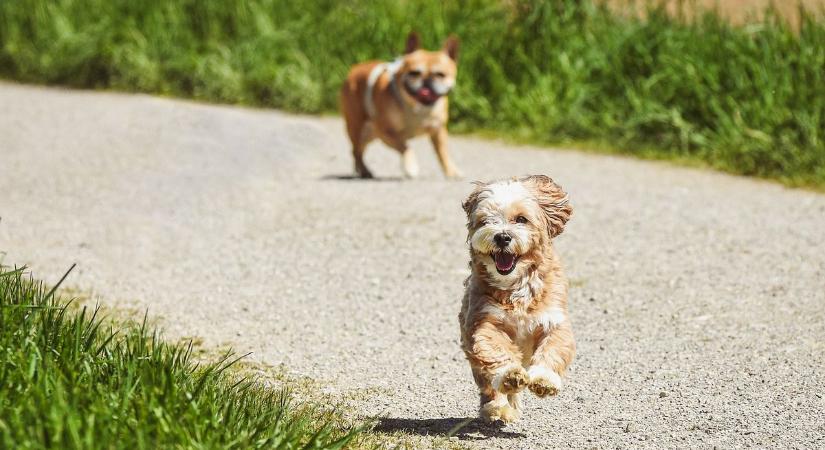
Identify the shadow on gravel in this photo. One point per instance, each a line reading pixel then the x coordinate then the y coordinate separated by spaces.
pixel 472 429
pixel 353 177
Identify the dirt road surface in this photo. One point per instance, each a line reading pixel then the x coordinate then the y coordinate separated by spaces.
pixel 698 299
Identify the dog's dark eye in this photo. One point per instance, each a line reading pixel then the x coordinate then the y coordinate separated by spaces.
pixel 521 219
pixel 439 74
pixel 414 73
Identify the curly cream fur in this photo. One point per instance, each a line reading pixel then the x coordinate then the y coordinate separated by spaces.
pixel 515 326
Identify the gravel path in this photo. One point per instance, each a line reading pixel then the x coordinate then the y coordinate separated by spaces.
pixel 698 299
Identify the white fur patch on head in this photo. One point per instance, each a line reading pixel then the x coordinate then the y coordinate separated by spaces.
pixel 505 193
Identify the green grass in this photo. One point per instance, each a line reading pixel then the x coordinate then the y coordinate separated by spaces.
pixel 68 379
pixel 749 100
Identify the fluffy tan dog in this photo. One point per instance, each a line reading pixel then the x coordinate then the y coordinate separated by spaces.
pixel 397 101
pixel 514 325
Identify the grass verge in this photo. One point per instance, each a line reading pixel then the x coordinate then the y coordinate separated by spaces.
pixel 746 99
pixel 71 380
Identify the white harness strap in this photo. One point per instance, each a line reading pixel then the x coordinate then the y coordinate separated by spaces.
pixel 391 69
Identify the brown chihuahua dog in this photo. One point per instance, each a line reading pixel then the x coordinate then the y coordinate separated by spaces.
pixel 400 100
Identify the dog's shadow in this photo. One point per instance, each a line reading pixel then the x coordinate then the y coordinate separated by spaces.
pixel 354 177
pixel 465 429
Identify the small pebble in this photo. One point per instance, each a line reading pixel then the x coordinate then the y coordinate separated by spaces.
pixel 630 427
pixel 662 394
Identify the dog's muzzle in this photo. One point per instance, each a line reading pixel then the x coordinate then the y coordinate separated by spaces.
pixel 502 239
pixel 505 261
pixel 426 94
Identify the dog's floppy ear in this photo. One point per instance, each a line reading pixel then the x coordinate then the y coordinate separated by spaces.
pixel 469 204
pixel 451 47
pixel 553 201
pixel 412 42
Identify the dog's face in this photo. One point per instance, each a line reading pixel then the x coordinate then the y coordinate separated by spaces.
pixel 428 76
pixel 511 223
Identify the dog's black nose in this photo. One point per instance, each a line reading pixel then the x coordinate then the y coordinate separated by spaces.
pixel 502 239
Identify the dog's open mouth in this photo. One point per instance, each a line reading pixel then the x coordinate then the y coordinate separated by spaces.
pixel 505 262
pixel 426 95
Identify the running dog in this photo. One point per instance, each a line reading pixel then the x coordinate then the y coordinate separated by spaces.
pixel 515 330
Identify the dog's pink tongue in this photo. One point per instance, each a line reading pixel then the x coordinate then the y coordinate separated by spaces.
pixel 425 93
pixel 504 261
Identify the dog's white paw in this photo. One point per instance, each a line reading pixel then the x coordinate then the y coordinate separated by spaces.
pixel 543 382
pixel 510 379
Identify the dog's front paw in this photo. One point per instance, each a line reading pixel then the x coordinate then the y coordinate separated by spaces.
pixel 454 174
pixel 511 381
pixel 543 382
pixel 496 411
pixel 543 388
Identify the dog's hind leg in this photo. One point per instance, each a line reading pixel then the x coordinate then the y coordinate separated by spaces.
pixel 497 372
pixel 515 402
pixel 358 124
pixel 360 137
pixel 494 405
pixel 497 409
